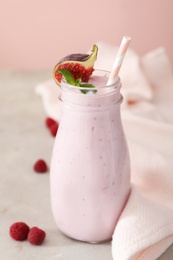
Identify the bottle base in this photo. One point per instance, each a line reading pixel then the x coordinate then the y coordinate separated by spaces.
pixel 87 241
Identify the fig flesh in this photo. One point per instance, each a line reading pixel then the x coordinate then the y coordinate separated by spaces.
pixel 79 64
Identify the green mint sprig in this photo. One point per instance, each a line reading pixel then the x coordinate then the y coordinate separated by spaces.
pixel 78 83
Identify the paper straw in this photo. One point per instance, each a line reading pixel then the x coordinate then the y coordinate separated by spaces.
pixel 119 59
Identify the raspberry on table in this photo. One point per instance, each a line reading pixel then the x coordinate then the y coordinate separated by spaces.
pixel 40 166
pixel 53 129
pixel 52 125
pixel 50 121
pixel 19 231
pixel 36 236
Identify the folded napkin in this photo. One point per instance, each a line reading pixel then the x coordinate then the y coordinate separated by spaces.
pixel 145 228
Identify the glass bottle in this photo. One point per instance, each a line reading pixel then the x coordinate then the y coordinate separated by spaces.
pixel 90 165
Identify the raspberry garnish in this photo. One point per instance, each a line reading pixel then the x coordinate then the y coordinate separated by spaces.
pixel 40 166
pixel 36 236
pixel 53 129
pixel 19 231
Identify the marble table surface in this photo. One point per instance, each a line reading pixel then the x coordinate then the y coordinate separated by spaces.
pixel 24 194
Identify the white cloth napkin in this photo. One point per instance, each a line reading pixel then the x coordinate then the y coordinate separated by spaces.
pixel 145 228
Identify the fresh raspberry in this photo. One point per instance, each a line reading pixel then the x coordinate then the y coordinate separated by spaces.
pixel 19 231
pixel 53 129
pixel 49 121
pixel 36 236
pixel 40 166
pixel 131 102
pixel 52 125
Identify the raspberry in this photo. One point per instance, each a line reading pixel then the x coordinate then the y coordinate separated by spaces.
pixel 49 121
pixel 131 102
pixel 19 231
pixel 53 129
pixel 40 166
pixel 52 125
pixel 36 236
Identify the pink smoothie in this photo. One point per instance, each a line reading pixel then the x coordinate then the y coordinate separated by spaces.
pixel 90 167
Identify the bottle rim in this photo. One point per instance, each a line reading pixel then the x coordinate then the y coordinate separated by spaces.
pixel 115 85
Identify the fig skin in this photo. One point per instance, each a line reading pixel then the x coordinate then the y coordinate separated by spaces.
pixel 75 57
pixel 80 65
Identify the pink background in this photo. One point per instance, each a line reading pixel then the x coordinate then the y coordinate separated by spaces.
pixel 37 33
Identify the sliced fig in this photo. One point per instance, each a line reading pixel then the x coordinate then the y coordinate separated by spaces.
pixel 80 65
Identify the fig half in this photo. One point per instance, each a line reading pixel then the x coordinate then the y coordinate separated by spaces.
pixel 80 65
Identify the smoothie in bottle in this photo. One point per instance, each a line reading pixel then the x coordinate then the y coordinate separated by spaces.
pixel 90 166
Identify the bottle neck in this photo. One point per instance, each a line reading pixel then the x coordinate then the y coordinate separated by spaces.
pixel 104 96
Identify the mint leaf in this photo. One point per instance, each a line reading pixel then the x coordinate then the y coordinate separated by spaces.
pixel 78 82
pixel 67 75
pixel 87 85
pixel 70 80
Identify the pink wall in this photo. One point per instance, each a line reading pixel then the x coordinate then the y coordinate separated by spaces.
pixel 37 33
